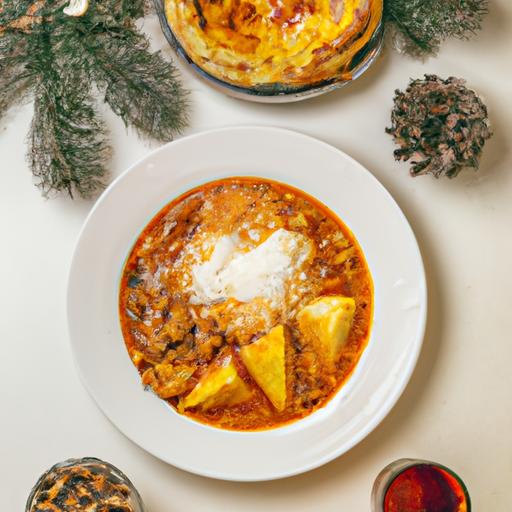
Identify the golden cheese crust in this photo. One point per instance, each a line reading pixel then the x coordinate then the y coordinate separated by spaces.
pixel 251 43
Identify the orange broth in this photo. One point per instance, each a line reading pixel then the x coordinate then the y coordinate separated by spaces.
pixel 173 341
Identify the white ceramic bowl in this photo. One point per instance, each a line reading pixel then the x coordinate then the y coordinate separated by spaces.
pixel 322 171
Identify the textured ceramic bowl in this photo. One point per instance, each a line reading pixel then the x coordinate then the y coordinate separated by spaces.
pixel 93 464
pixel 278 92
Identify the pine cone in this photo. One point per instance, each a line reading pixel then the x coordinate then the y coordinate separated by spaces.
pixel 439 125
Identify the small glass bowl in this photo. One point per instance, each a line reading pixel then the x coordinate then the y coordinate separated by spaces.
pixel 386 477
pixel 280 92
pixel 96 465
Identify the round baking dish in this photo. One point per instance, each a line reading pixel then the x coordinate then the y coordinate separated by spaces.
pixel 278 92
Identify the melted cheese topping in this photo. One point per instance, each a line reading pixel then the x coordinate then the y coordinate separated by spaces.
pixel 260 272
pixel 261 42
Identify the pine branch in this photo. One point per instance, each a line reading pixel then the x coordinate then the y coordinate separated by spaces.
pixel 11 10
pixel 58 58
pixel 122 11
pixel 68 147
pixel 420 26
pixel 134 81
pixel 15 79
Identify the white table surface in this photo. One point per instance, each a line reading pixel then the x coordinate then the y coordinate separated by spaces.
pixel 457 408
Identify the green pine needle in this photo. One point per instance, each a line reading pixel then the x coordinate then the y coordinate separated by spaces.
pixel 67 138
pixel 57 60
pixel 134 82
pixel 420 26
pixel 12 10
pixel 15 79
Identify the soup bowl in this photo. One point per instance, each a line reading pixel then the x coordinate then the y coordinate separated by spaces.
pixel 322 171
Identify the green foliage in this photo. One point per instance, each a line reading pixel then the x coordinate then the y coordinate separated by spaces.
pixel 133 81
pixel 68 145
pixel 13 9
pixel 420 26
pixel 57 60
pixel 15 79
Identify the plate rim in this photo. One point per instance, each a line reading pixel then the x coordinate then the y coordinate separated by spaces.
pixel 387 404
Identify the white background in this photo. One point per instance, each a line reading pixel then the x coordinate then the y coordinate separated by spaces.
pixel 458 407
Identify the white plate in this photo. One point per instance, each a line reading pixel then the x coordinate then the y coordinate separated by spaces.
pixel 322 171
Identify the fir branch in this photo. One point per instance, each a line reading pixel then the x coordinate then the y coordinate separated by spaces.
pixel 58 59
pixel 419 27
pixel 68 146
pixel 11 10
pixel 134 81
pixel 15 79
pixel 120 10
pixel 108 13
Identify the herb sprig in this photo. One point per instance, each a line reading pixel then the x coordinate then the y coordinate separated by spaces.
pixel 420 26
pixel 59 61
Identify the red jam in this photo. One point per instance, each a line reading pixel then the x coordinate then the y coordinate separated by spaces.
pixel 425 488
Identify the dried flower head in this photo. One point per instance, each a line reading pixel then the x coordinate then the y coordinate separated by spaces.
pixel 439 125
